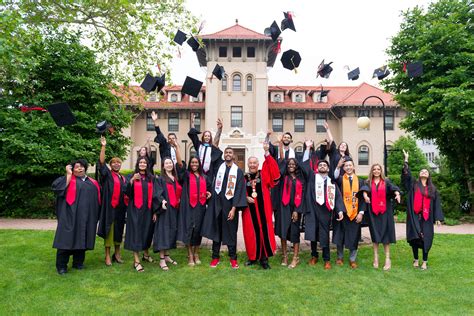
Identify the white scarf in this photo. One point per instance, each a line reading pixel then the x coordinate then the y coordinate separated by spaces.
pixel 231 181
pixel 291 153
pixel 173 154
pixel 319 191
pixel 205 159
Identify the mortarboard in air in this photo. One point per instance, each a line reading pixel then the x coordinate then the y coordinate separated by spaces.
pixel 353 74
pixel 101 127
pixel 193 42
pixel 324 70
pixel 287 22
pixel 381 72
pixel 191 87
pixel 61 114
pixel 150 83
pixel 273 31
pixel 180 37
pixel 161 82
pixel 290 59
pixel 323 93
pixel 218 71
pixel 415 69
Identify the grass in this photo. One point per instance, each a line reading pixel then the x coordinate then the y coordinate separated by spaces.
pixel 29 283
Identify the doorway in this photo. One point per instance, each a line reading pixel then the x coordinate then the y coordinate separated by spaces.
pixel 239 156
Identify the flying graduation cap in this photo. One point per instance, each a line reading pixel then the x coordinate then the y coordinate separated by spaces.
pixel 218 71
pixel 322 93
pixel 180 37
pixel 191 87
pixel 381 72
pixel 150 83
pixel 324 70
pixel 273 31
pixel 61 114
pixel 353 74
pixel 194 43
pixel 287 22
pixel 414 69
pixel 291 59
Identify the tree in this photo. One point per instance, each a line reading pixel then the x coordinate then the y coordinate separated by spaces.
pixel 128 36
pixel 395 158
pixel 440 103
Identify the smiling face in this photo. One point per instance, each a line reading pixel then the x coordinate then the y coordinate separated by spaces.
pixel 79 170
pixel 291 166
pixel 206 137
pixel 142 152
pixel 116 165
pixel 194 164
pixel 424 173
pixel 349 167
pixel 342 147
pixel 168 165
pixel 172 138
pixel 376 171
pixel 229 154
pixel 253 164
pixel 286 139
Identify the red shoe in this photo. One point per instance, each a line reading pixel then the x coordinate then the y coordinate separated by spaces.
pixel 339 262
pixel 214 263
pixel 234 264
pixel 327 265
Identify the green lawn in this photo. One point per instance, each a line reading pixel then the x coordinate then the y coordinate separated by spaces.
pixel 29 283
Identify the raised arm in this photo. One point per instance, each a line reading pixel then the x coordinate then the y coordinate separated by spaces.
pixel 103 142
pixel 179 161
pixel 406 178
pixel 307 150
pixel 160 138
pixel 217 138
pixel 280 147
pixel 193 135
pixel 328 132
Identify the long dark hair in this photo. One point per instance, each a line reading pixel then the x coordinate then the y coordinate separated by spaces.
pixel 298 171
pixel 148 173
pixel 429 184
pixel 346 153
pixel 200 171
pixel 163 171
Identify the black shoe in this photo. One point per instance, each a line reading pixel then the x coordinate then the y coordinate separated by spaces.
pixel 265 265
pixel 250 262
pixel 78 266
pixel 62 271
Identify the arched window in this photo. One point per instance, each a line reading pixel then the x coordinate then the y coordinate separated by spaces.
pixel 363 155
pixel 249 83
pixel 224 83
pixel 236 83
pixel 174 97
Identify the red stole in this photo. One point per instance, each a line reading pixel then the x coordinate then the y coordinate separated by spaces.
pixel 193 192
pixel 138 193
pixel 287 192
pixel 422 202
pixel 174 196
pixel 71 190
pixel 379 198
pixel 116 191
pixel 314 165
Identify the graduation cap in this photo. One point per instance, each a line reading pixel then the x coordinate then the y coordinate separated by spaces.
pixel 324 70
pixel 323 93
pixel 415 69
pixel 61 114
pixel 218 71
pixel 193 42
pixel 191 87
pixel 180 37
pixel 381 72
pixel 150 83
pixel 287 22
pixel 290 59
pixel 273 31
pixel 353 74
pixel 101 127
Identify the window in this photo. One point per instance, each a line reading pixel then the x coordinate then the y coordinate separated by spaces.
pixel 251 52
pixel 389 120
pixel 197 121
pixel 249 83
pixel 150 125
pixel 299 97
pixel 299 149
pixel 174 97
pixel 427 142
pixel 236 85
pixel 430 157
pixel 236 116
pixel 320 119
pixel 361 113
pixel 363 155
pixel 236 51
pixel 222 51
pixel 173 122
pixel 276 98
pixel 277 122
pixel 299 122
pixel 224 83
pixel 152 97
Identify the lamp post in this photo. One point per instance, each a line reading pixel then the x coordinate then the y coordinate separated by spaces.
pixel 185 142
pixel 384 131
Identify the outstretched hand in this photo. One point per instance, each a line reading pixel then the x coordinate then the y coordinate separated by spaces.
pixel 405 154
pixel 103 142
pixel 326 125
pixel 219 123
pixel 69 170
pixel 154 116
pixel 308 143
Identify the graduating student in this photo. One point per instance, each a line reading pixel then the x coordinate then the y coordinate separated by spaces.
pixel 145 151
pixel 196 192
pixel 323 203
pixel 257 224
pixel 77 210
pixel 283 151
pixel 346 233
pixel 166 227
pixel 166 149
pixel 221 220
pixel 314 155
pixel 337 154
pixel 114 205
pixel 143 192
pixel 378 192
pixel 207 150
pixel 423 209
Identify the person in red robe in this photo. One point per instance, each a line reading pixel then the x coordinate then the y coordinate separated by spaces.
pixel 259 235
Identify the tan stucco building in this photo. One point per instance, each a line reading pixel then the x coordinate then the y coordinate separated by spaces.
pixel 249 107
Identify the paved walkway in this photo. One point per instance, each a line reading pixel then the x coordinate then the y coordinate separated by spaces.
pixel 400 229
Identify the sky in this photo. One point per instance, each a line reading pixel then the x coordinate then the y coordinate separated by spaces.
pixel 353 33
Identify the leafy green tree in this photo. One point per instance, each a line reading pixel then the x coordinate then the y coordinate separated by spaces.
pixel 440 103
pixel 395 157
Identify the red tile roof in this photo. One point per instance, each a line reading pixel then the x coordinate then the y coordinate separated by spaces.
pixel 236 32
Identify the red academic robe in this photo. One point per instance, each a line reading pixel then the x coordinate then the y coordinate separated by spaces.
pixel 259 235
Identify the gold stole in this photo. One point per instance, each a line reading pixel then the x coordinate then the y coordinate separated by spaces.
pixel 350 200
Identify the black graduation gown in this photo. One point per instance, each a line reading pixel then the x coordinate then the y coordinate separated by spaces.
pixel 109 214
pixel 166 227
pixel 317 217
pixel 77 223
pixel 139 232
pixel 419 230
pixel 382 226
pixel 220 205
pixel 334 157
pixel 347 232
pixel 165 147
pixel 190 218
pixel 216 153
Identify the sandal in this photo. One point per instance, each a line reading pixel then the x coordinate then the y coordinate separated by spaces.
pixel 138 266
pixel 196 259
pixel 424 265
pixel 163 265
pixel 388 265
pixel 416 264
pixel 148 258
pixel 115 259
pixel 191 261
pixel 108 264
pixel 169 260
pixel 284 260
pixel 294 263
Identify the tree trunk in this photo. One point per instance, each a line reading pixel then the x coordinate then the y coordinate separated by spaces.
pixel 470 186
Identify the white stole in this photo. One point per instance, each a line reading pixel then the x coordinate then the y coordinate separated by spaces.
pixel 231 181
pixel 319 191
pixel 205 159
pixel 291 153
pixel 173 154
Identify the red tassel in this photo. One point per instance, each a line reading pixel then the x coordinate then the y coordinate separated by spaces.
pixel 277 49
pixel 404 67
